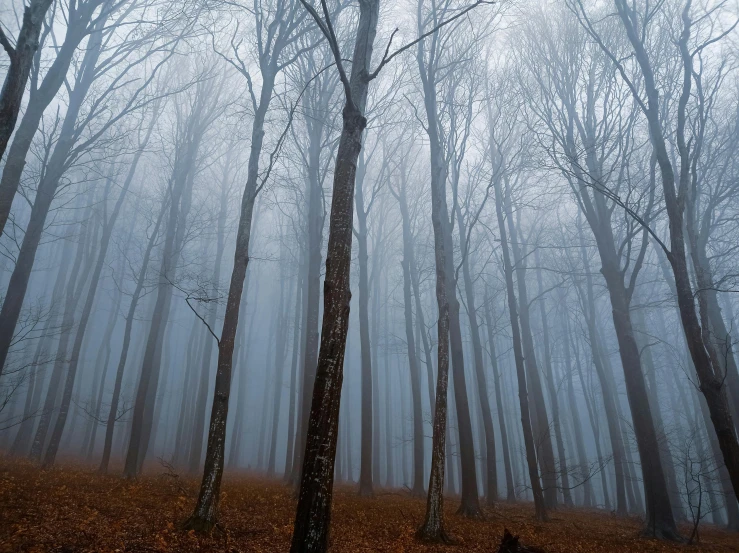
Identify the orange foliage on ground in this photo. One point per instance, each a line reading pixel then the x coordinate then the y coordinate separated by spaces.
pixel 74 509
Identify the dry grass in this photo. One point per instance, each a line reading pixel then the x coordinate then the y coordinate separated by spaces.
pixel 74 509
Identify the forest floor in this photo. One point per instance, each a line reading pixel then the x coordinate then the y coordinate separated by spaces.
pixel 74 509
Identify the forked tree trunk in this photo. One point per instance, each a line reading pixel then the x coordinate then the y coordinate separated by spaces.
pixel 313 514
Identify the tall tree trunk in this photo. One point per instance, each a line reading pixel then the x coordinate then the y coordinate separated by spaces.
pixel 540 418
pixel 510 487
pixel 389 461
pixel 551 389
pixel 470 502
pixel 102 362
pixel 183 440
pixel 197 437
pixel 413 364
pixel 205 514
pixel 482 387
pixel 280 354
pixel 142 418
pixel 528 437
pixel 299 312
pixel 664 446
pixel 375 338
pixel 606 382
pixel 313 514
pixel 421 324
pixel 366 454
pixel 595 426
pixel 241 358
pixel 582 457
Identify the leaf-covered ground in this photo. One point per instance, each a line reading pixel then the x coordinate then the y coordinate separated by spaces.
pixel 74 509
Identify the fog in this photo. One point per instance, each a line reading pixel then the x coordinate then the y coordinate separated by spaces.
pixel 482 252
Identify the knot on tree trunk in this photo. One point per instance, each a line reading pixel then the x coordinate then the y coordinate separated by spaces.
pixel 511 544
pixel 353 118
